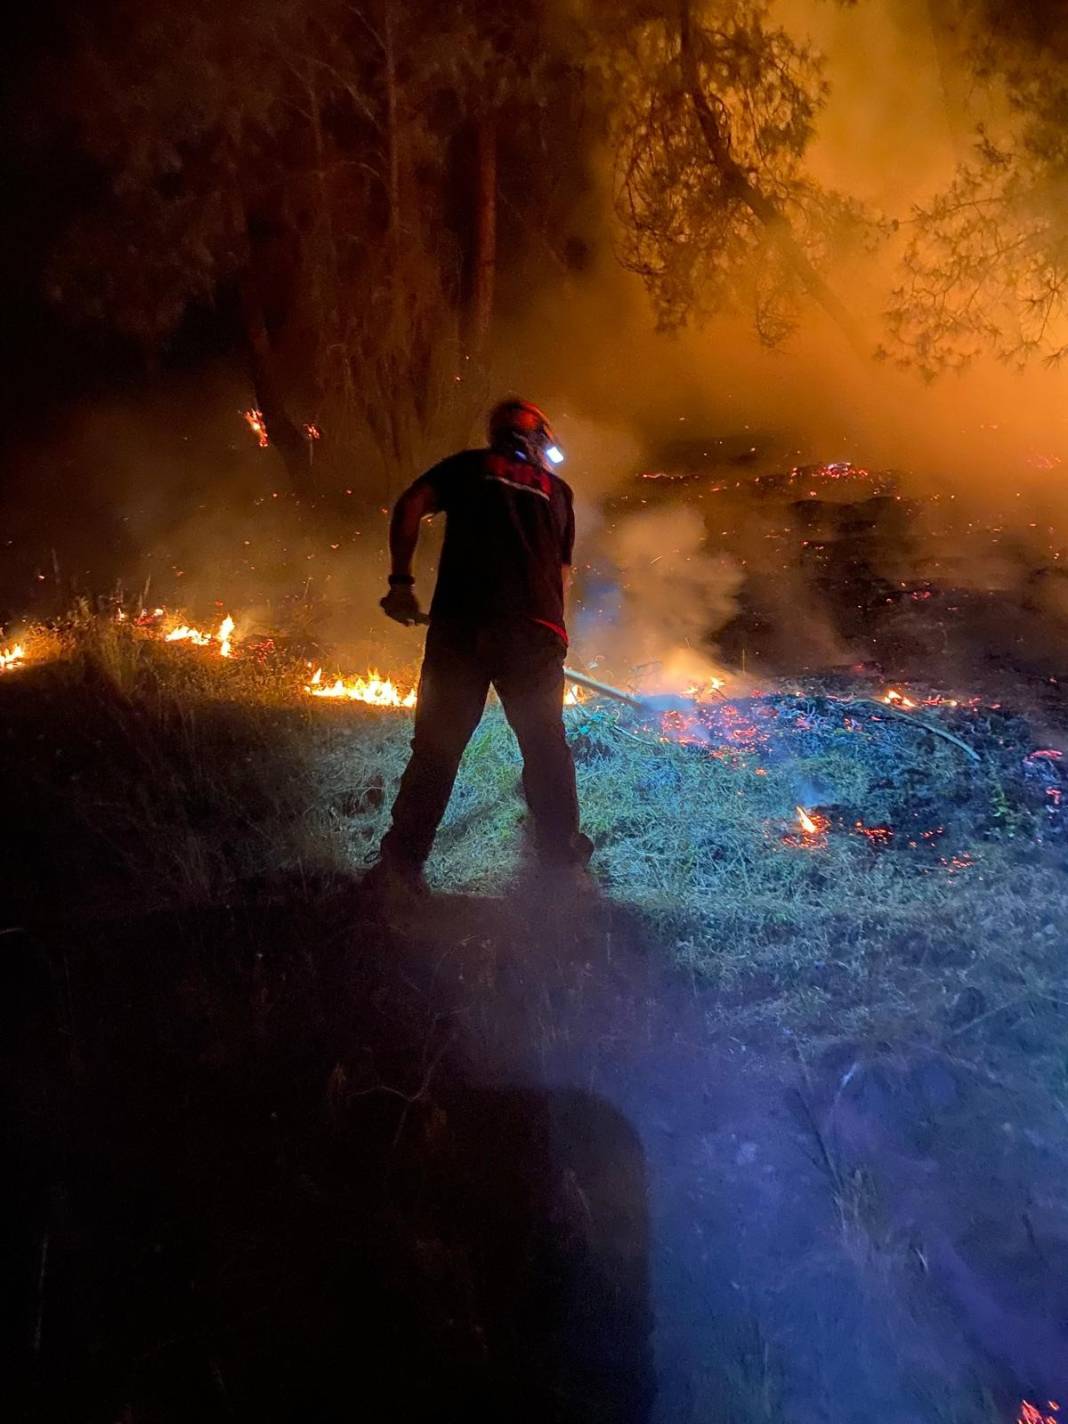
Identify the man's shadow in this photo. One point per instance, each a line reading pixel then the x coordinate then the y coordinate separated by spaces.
pixel 254 1199
pixel 534 1226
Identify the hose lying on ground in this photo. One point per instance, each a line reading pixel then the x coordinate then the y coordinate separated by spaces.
pixel 605 689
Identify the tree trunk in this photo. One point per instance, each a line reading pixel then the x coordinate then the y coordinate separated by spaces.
pixel 945 38
pixel 739 186
pixel 485 273
pixel 286 437
pixel 392 136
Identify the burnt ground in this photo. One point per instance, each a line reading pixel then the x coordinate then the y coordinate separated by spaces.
pixel 277 1159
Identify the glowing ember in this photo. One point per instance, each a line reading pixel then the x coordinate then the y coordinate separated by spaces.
pixel 1031 1414
pixel 833 470
pixel 12 657
pixel 954 864
pixel 376 691
pixel 894 697
pixel 258 426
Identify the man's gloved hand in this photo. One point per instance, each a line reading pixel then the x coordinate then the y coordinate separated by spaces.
pixel 401 604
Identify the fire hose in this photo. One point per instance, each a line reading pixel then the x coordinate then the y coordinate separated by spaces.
pixel 604 689
pixel 921 722
pixel 591 684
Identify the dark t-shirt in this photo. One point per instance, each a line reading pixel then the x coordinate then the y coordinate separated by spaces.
pixel 509 527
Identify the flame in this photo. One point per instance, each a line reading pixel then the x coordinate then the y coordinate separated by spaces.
pixel 376 691
pixel 897 699
pixel 701 692
pixel 184 633
pixel 811 833
pixel 372 689
pixel 258 426
pixel 12 657
pixel 893 697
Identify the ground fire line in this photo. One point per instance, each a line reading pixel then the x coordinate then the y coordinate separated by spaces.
pixel 748 732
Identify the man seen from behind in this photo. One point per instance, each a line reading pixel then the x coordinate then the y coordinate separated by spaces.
pixel 496 620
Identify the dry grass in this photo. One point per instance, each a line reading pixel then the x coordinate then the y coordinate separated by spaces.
pixel 168 778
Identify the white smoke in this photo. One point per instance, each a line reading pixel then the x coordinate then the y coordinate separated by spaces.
pixel 673 598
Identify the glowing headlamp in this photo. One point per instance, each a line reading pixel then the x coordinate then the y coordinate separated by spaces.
pixel 555 454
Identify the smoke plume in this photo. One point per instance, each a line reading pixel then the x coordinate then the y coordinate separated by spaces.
pixel 660 601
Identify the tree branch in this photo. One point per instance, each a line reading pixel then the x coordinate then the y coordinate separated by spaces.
pixel 740 186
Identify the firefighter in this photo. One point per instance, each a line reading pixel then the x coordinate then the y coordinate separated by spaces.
pixel 496 620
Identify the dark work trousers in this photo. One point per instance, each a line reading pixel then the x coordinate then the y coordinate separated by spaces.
pixel 524 661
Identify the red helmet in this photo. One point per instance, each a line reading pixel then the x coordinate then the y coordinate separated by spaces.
pixel 518 425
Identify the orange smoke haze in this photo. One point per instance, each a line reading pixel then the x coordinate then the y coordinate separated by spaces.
pixel 180 473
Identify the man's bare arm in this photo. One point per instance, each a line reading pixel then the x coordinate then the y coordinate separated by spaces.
pixel 417 503
pixel 414 505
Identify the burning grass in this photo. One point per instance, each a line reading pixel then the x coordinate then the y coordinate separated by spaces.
pixel 826 870
pixel 373 689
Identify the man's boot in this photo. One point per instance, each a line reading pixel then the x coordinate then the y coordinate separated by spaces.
pixel 568 872
pixel 395 881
